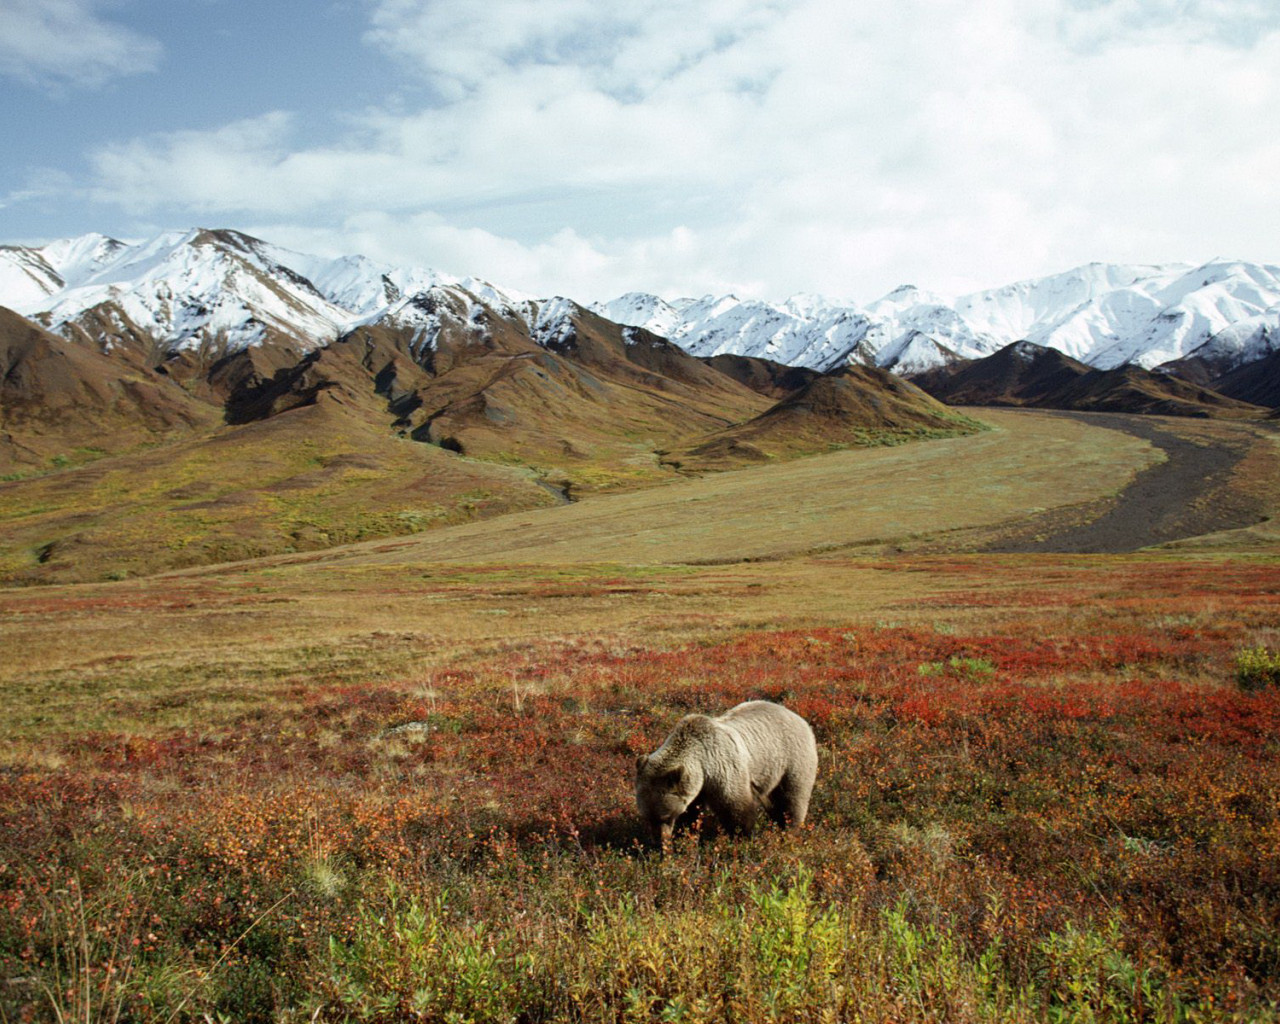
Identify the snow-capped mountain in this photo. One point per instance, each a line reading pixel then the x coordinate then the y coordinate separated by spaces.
pixel 1102 314
pixel 28 277
pixel 803 331
pixel 179 289
pixel 1107 316
pixel 223 291
pixel 356 284
pixel 226 290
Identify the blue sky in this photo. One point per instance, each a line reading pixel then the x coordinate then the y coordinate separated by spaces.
pixel 764 147
pixel 142 68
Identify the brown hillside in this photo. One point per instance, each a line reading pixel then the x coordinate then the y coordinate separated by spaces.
pixel 589 410
pixel 856 405
pixel 1132 389
pixel 763 376
pixel 1257 382
pixel 1019 374
pixel 63 401
pixel 634 356
pixel 1023 374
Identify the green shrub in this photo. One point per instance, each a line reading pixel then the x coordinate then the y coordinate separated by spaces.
pixel 422 959
pixel 1085 976
pixel 796 945
pixel 971 670
pixel 1257 667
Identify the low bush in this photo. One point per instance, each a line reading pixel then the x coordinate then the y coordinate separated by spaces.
pixel 1257 667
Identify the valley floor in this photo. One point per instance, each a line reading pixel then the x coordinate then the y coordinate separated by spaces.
pixel 1035 482
pixel 1211 480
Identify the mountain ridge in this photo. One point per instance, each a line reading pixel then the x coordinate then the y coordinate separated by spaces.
pixel 1028 375
pixel 1224 312
pixel 241 291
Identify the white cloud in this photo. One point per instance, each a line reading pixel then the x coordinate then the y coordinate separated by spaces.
pixel 65 42
pixel 252 164
pixel 626 48
pixel 1089 24
pixel 428 239
pixel 768 146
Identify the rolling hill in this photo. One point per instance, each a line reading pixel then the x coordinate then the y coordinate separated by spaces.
pixel 855 406
pixel 1024 374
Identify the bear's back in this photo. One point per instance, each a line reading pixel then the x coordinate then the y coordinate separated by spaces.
pixel 765 714
pixel 771 734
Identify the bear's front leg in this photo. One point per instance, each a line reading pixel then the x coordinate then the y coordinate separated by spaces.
pixel 737 805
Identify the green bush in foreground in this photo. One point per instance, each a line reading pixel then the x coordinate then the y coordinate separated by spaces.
pixel 763 951
pixel 1257 667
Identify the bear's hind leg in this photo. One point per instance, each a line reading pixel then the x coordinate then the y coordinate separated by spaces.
pixel 790 801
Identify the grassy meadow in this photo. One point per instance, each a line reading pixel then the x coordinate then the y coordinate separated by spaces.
pixel 306 480
pixel 392 782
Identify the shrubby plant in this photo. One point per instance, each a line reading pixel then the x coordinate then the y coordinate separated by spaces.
pixel 1257 667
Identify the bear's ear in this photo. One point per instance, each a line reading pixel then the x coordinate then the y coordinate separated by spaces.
pixel 641 761
pixel 673 778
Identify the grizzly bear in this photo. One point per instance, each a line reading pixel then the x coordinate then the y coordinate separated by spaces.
pixel 756 757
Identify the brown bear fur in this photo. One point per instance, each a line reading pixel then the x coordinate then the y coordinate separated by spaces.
pixel 755 757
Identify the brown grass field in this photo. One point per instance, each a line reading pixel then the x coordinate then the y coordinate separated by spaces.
pixel 1049 784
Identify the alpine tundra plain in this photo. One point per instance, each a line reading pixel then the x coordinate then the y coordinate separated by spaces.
pixel 392 781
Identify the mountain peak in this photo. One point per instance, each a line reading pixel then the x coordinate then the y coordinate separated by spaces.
pixel 193 286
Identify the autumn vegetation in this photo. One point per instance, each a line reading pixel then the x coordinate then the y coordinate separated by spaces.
pixel 1043 795
pixel 392 781
pixel 325 668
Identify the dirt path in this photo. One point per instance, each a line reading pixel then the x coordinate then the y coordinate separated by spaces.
pixel 1186 495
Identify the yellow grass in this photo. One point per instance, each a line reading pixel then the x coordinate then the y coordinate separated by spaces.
pixel 845 499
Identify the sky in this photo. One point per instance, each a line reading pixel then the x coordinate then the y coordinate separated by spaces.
pixel 756 147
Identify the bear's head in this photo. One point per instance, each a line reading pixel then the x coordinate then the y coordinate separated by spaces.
pixel 663 793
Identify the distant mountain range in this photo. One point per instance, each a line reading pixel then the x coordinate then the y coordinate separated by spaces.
pixel 257 328
pixel 1222 314
pixel 221 397
pixel 226 290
